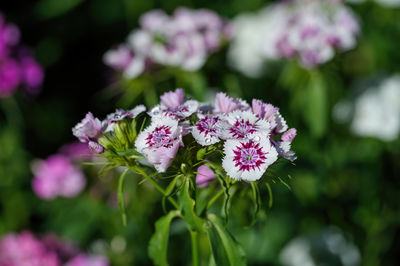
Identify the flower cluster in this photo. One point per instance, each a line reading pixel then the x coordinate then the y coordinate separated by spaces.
pixel 17 66
pixel 184 39
pixel 251 137
pixel 25 249
pixel 306 30
pixel 58 175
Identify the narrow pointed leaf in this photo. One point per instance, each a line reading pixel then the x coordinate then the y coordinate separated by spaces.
pixel 225 249
pixel 158 246
pixel 121 201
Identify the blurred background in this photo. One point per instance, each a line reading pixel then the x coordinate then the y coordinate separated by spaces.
pixel 341 205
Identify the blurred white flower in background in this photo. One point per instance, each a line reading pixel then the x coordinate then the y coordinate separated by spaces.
pixel 376 112
pixel 327 247
pixel 309 31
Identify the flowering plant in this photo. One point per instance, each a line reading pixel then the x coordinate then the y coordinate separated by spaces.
pixel 191 145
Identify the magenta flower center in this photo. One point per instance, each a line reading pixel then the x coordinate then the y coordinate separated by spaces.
pixel 242 128
pixel 249 156
pixel 160 137
pixel 207 125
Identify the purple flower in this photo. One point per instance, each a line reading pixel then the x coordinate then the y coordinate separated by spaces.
pixel 271 114
pixel 89 129
pixel 226 104
pixel 173 99
pixel 76 151
pixel 174 105
pixel 10 77
pixel 289 135
pixel 31 74
pixel 204 176
pixel 25 250
pixel 57 176
pixel 248 159
pixel 118 58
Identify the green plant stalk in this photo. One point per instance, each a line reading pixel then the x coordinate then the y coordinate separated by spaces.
pixel 195 248
pixel 156 185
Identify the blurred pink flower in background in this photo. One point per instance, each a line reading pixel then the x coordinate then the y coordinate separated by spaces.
pixel 24 249
pixel 204 176
pixel 15 69
pixel 184 39
pixel 57 176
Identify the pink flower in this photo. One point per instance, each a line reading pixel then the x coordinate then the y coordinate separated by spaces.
pixel 153 20
pixel 173 99
pixel 226 104
pixel 118 58
pixel 248 159
pixel 32 75
pixel 76 151
pixel 289 135
pixel 25 250
pixel 160 142
pixel 271 114
pixel 57 176
pixel 10 77
pixel 86 260
pixel 204 176
pixel 263 110
pixel 89 129
pixel 174 106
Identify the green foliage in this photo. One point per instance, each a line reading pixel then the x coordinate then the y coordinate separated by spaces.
pixel 226 250
pixel 158 246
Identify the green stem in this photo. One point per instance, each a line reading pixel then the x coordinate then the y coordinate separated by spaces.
pixel 155 184
pixel 195 249
pixel 215 198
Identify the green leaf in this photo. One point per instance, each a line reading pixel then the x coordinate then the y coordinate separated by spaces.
pixel 121 201
pixel 316 109
pixel 256 200
pixel 158 246
pixel 225 249
pixel 200 154
pixel 187 208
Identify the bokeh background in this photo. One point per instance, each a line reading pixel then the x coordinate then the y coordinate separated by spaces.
pixel 342 206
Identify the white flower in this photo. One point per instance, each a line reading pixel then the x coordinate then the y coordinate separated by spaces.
pixel 119 115
pixel 248 159
pixel 160 142
pixel 206 130
pixel 243 124
pixel 180 112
